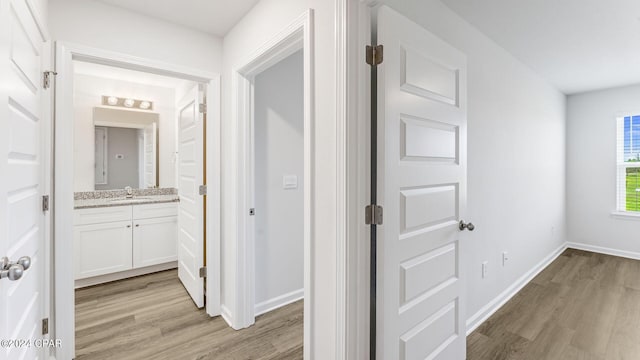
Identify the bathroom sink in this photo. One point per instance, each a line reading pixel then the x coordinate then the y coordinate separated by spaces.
pixel 132 200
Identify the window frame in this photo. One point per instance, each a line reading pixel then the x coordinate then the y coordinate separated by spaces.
pixel 622 165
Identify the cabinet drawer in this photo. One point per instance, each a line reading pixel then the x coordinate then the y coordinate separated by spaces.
pixel 150 211
pixel 102 215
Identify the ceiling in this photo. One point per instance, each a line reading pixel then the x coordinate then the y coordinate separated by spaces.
pixel 215 17
pixel 138 77
pixel 577 45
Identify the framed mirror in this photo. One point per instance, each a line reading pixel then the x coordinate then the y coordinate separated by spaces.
pixel 126 148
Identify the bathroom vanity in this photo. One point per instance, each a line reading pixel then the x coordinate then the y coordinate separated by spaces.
pixel 116 237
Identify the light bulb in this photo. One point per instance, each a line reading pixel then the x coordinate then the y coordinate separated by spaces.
pixel 112 100
pixel 144 105
pixel 129 103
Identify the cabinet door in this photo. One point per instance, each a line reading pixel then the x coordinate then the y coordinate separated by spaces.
pixel 155 241
pixel 102 248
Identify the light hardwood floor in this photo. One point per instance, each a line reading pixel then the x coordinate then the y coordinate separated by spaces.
pixel 152 317
pixel 583 306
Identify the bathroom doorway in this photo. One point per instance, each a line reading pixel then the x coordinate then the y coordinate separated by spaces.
pixel 118 232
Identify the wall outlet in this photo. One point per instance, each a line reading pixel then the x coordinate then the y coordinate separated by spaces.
pixel 485 269
pixel 505 258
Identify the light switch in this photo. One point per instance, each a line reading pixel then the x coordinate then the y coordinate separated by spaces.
pixel 290 182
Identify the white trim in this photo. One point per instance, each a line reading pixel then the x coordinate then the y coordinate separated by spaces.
pixel 226 315
pixel 46 156
pixel 112 58
pixel 604 250
pixel 64 324
pixel 279 301
pixel 342 112
pixel 124 274
pixel 297 35
pixel 494 305
pixel 626 215
pixel 214 173
pixel 358 182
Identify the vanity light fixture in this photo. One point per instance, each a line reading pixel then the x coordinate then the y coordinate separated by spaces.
pixel 127 102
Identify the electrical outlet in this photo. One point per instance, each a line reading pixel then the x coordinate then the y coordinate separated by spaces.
pixel 485 269
pixel 505 258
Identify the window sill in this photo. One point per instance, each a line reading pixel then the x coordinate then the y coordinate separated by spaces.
pixel 626 214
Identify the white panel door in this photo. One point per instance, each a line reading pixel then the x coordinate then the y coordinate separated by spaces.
pixel 21 216
pixel 191 208
pixel 421 185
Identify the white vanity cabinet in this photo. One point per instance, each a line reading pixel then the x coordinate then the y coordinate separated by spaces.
pixel 118 239
pixel 155 234
pixel 102 248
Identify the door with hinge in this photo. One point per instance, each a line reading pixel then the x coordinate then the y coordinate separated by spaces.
pixel 190 180
pixel 22 218
pixel 421 184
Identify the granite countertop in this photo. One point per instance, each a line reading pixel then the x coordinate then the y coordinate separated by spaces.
pixel 107 198
pixel 107 202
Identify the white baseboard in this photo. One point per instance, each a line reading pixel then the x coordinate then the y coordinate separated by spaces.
pixel 486 311
pixel 226 315
pixel 279 301
pixel 604 250
pixel 101 279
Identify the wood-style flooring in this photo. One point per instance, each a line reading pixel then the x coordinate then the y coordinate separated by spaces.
pixel 582 306
pixel 152 317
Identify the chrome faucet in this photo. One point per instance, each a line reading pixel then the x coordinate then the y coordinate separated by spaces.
pixel 129 191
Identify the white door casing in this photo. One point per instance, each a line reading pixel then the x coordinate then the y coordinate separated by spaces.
pixel 421 151
pixel 191 207
pixel 22 220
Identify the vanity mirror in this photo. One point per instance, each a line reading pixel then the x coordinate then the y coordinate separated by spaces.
pixel 126 148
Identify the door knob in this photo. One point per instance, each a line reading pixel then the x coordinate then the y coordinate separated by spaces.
pixel 469 226
pixel 14 270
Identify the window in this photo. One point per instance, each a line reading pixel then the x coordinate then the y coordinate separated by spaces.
pixel 628 159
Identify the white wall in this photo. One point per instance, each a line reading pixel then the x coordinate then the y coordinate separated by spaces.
pixel 591 169
pixel 88 91
pixel 279 151
pixel 263 22
pixel 516 157
pixel 99 25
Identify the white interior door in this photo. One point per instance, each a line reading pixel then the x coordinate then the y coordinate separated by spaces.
pixel 21 216
pixel 422 187
pixel 191 213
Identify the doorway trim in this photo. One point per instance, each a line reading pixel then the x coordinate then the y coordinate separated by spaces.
pixel 297 35
pixel 63 203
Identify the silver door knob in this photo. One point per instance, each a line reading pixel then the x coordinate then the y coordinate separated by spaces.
pixel 25 261
pixel 14 270
pixel 469 226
